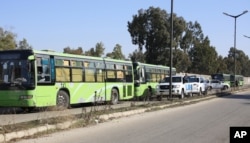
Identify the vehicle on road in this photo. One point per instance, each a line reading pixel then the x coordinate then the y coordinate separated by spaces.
pixel 40 78
pixel 181 86
pixel 198 85
pixel 32 78
pixel 146 77
pixel 216 84
pixel 232 80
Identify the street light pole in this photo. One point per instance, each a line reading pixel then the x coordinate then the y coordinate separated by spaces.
pixel 171 52
pixel 235 18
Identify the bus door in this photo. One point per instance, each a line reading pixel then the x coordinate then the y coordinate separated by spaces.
pixel 128 79
pixel 124 75
pixel 120 78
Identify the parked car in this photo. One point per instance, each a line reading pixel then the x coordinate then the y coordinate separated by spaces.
pixel 216 84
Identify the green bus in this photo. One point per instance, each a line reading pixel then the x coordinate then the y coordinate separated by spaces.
pixel 238 78
pixel 31 78
pixel 226 78
pixel 147 76
pixel 229 78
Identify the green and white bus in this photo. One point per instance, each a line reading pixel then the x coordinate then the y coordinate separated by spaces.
pixel 147 76
pixel 31 78
pixel 226 78
pixel 229 78
pixel 238 78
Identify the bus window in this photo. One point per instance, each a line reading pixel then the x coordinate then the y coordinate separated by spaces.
pixel 128 73
pixel 76 74
pixel 142 75
pixel 111 74
pixel 100 72
pixel 43 69
pixel 119 73
pixel 90 75
pixel 89 67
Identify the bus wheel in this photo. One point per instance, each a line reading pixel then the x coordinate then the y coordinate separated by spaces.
pixel 114 97
pixel 62 99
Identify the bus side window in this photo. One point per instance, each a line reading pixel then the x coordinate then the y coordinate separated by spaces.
pixel 142 74
pixel 128 73
pixel 43 70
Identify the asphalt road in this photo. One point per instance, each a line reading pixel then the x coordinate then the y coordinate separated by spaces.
pixel 203 122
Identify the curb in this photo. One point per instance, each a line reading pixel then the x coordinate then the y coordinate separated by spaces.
pixel 26 133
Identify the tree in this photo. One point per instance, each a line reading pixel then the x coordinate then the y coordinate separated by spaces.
pixel 221 66
pixel 7 40
pixel 149 29
pixel 116 53
pixel 193 34
pixel 241 61
pixel 137 56
pixel 181 60
pixel 179 28
pixel 98 51
pixel 77 51
pixel 23 44
pixel 203 57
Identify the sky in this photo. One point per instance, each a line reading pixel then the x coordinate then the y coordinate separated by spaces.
pixel 56 24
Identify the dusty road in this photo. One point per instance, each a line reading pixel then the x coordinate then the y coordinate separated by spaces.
pixel 204 122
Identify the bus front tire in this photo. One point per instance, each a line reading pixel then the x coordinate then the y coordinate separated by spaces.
pixel 62 100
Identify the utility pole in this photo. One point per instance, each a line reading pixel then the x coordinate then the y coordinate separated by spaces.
pixel 235 18
pixel 171 52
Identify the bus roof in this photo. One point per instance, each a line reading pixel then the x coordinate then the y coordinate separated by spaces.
pixel 48 52
pixel 154 66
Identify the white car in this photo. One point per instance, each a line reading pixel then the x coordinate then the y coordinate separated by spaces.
pixel 217 84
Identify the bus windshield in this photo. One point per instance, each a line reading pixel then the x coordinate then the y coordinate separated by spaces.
pixel 16 74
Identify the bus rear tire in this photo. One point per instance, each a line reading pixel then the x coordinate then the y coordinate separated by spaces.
pixel 114 96
pixel 62 101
